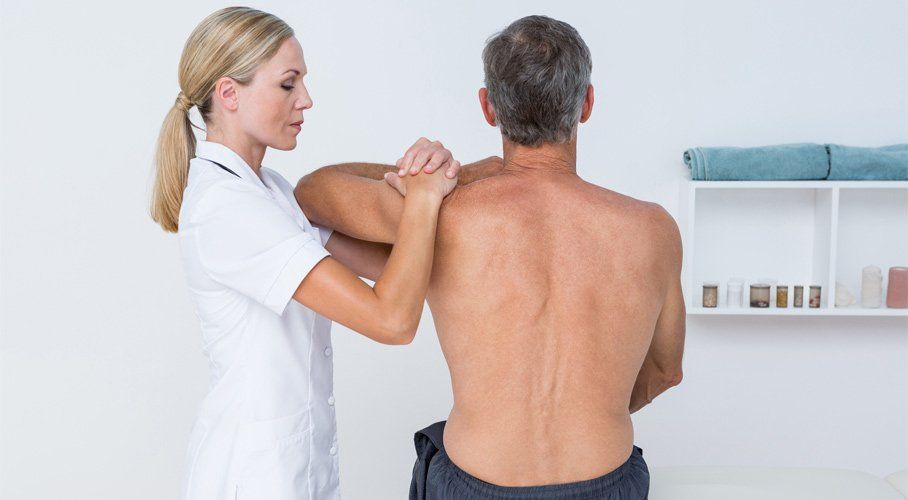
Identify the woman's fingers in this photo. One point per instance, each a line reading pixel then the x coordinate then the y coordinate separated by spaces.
pixel 404 164
pixel 423 155
pixel 453 169
pixel 439 157
pixel 427 156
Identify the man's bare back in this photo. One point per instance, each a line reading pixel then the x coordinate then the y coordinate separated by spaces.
pixel 546 291
pixel 558 303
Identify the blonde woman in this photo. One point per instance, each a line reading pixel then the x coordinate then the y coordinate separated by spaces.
pixel 263 279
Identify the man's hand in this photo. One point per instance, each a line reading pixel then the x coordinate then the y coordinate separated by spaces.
pixel 427 156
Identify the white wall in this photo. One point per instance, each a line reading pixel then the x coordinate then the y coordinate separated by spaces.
pixel 101 362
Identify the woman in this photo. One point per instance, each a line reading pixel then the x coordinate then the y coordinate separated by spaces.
pixel 262 277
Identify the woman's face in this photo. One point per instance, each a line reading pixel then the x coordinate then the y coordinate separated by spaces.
pixel 271 107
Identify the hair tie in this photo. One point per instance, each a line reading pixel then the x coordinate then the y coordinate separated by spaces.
pixel 183 102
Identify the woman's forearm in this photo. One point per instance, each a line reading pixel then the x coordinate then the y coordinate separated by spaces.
pixel 401 288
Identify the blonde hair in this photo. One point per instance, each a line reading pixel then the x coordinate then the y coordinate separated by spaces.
pixel 231 42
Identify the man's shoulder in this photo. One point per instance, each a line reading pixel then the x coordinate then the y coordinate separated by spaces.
pixel 480 192
pixel 653 226
pixel 504 189
pixel 641 211
pixel 651 218
pixel 663 231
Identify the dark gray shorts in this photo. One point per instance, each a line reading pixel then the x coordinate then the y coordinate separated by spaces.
pixel 436 477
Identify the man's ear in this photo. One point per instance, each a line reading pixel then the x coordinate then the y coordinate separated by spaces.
pixel 487 110
pixel 587 104
pixel 225 92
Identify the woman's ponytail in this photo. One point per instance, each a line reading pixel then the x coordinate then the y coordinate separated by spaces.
pixel 176 145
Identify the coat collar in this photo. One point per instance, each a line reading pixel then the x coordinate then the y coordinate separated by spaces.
pixel 220 153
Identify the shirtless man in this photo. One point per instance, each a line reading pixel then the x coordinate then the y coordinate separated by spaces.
pixel 557 302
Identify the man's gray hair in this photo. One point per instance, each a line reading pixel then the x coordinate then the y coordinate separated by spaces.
pixel 537 71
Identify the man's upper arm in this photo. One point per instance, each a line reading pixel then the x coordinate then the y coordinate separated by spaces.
pixel 667 345
pixel 360 207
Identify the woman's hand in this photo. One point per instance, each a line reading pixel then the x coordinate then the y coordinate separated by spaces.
pixel 436 183
pixel 427 156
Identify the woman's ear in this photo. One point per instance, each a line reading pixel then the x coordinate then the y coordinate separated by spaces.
pixel 587 109
pixel 487 109
pixel 225 92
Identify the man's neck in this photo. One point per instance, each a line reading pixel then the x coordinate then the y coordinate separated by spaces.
pixel 547 158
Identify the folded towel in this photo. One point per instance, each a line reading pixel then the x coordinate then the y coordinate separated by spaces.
pixel 888 163
pixel 802 161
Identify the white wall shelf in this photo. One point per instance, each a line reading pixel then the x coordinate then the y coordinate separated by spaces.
pixel 773 311
pixel 795 232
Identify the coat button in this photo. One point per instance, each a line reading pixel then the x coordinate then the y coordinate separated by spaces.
pixel 331 400
pixel 333 450
pixel 327 351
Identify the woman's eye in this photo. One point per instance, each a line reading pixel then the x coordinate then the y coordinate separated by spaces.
pixel 286 87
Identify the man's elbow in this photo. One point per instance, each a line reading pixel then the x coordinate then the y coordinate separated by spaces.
pixel 306 197
pixel 302 191
pixel 673 378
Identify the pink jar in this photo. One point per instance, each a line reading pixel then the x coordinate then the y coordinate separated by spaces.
pixel 897 291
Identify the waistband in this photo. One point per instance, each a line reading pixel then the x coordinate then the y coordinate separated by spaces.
pixel 601 484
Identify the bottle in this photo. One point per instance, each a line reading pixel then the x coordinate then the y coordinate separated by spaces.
pixel 872 287
pixel 759 295
pixel 781 295
pixel 814 296
pixel 897 289
pixel 710 294
pixel 734 293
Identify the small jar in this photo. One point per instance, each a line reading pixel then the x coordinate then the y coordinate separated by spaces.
pixel 710 294
pixel 734 293
pixel 772 288
pixel 798 296
pixel 759 295
pixel 814 296
pixel 897 288
pixel 781 295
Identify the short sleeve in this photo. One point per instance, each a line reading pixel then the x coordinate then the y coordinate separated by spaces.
pixel 248 243
pixel 324 233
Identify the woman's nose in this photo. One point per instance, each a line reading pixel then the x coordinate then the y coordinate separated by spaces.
pixel 304 102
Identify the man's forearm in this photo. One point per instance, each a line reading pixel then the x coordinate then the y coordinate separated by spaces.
pixel 345 198
pixel 650 383
pixel 374 171
pixel 470 172
pixel 354 198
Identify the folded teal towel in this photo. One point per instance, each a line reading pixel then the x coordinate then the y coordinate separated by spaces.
pixel 888 163
pixel 802 161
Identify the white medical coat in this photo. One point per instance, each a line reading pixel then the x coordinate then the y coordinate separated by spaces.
pixel 266 429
